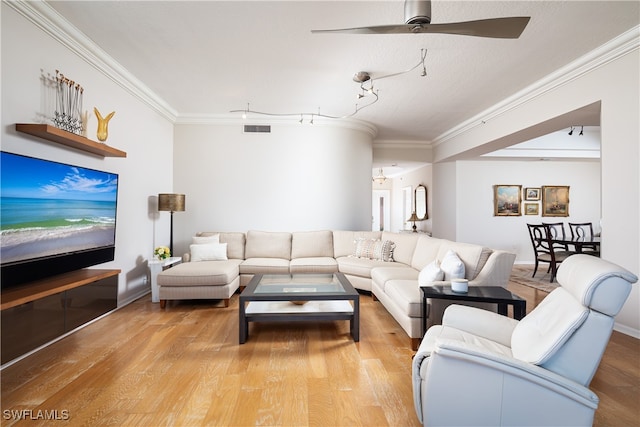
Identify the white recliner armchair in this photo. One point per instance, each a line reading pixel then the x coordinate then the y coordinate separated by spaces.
pixel 482 369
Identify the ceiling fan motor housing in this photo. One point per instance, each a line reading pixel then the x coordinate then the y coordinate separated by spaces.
pixel 417 11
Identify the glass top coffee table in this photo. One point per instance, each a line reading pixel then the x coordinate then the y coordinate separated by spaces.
pixel 297 298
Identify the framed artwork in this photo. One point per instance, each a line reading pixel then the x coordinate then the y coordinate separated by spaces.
pixel 555 200
pixel 531 208
pixel 507 200
pixel 532 193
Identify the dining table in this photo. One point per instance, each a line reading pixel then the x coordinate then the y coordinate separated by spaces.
pixel 579 243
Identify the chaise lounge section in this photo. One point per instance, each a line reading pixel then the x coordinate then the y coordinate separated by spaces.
pixel 389 265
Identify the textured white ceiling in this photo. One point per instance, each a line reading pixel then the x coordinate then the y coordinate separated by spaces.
pixel 209 57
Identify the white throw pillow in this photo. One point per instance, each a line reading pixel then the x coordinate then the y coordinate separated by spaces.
pixel 430 273
pixel 206 239
pixel 208 252
pixel 452 266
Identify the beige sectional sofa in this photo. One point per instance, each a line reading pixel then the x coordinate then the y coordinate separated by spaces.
pixel 362 256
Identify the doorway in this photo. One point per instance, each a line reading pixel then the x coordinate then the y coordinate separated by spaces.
pixel 381 210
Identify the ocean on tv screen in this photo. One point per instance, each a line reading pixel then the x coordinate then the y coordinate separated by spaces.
pixel 49 208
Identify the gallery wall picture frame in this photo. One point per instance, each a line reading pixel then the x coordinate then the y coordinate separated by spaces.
pixel 532 193
pixel 507 200
pixel 555 200
pixel 531 209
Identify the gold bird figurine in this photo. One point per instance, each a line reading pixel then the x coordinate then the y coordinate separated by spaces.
pixel 103 133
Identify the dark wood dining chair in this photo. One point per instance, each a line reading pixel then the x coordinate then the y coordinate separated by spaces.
pixel 558 232
pixel 544 250
pixel 584 231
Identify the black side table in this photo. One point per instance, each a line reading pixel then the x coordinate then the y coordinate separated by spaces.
pixel 492 294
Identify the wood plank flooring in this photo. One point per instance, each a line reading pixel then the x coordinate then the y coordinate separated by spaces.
pixel 182 366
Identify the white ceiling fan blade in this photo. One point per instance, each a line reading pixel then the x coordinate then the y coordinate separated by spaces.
pixel 506 28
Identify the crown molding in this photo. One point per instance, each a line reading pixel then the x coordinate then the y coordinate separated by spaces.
pixel 402 144
pixel 234 119
pixel 614 49
pixel 55 25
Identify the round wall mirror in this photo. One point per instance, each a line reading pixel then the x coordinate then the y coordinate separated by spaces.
pixel 420 197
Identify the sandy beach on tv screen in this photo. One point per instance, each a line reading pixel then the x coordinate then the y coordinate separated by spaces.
pixel 18 245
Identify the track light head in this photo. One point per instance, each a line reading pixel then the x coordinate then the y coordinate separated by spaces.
pixel 571 131
pixel 581 130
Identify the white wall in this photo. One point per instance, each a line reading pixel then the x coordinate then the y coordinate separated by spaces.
pixel 298 177
pixel 614 82
pixel 474 208
pixel 135 128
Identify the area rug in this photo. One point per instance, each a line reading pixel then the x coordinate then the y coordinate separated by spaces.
pixel 521 274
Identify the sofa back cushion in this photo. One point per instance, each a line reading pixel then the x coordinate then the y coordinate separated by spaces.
pixel 310 244
pixel 426 251
pixel 405 245
pixel 344 242
pixel 473 256
pixel 235 242
pixel 268 244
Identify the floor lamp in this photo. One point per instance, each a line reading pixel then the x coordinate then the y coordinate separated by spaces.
pixel 172 203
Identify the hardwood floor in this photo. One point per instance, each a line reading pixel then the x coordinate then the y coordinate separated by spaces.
pixel 183 366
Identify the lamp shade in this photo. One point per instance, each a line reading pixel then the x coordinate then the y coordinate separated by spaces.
pixel 171 202
pixel 414 217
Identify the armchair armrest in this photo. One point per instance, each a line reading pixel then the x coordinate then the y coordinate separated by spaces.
pixel 511 366
pixel 483 323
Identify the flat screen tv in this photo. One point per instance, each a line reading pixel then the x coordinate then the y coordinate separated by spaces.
pixel 54 218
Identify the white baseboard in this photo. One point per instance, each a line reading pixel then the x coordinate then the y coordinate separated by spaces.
pixel 624 329
pixel 133 297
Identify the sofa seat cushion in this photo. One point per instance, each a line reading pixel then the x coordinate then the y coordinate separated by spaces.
pixel 361 266
pixel 264 266
pixel 406 295
pixel 211 273
pixel 382 275
pixel 313 265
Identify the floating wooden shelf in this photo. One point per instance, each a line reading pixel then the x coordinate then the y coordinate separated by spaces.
pixel 52 133
pixel 22 294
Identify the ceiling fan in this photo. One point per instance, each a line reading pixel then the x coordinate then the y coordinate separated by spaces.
pixel 417 14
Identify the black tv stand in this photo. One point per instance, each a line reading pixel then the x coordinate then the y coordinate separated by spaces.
pixel 38 312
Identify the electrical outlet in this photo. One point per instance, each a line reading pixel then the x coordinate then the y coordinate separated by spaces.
pixel 145 281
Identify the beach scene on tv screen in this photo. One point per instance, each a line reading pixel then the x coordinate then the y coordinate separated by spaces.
pixel 51 208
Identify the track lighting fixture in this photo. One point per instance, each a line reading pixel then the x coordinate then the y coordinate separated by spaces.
pixel 361 77
pixel 576 127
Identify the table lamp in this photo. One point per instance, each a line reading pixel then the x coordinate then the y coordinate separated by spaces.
pixel 414 218
pixel 172 203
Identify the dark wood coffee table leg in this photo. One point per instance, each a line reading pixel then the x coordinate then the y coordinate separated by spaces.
pixel 355 321
pixel 242 323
